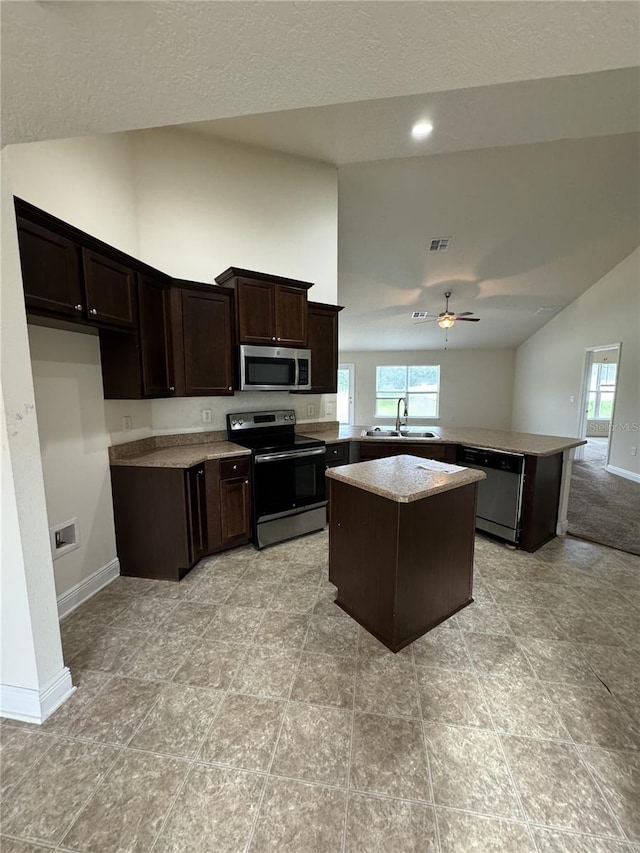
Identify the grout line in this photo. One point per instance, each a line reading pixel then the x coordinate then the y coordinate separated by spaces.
pixel 432 790
pixel 345 819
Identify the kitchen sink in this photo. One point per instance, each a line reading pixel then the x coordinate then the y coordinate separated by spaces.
pixel 405 433
pixel 413 433
pixel 382 433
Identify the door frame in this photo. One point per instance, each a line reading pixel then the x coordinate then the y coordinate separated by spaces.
pixel 586 376
pixel 351 368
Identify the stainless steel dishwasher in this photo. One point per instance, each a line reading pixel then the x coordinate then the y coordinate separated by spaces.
pixel 500 495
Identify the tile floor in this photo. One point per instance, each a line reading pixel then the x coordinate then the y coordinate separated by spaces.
pixel 241 710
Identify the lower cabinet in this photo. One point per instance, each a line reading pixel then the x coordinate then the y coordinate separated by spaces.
pixel 166 519
pixel 380 449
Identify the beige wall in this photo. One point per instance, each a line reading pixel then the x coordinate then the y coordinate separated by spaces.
pixel 191 207
pixel 476 386
pixel 550 365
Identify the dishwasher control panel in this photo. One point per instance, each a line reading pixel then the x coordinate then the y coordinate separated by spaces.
pixel 512 463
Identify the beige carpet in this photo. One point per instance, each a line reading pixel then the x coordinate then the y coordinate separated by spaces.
pixel 603 507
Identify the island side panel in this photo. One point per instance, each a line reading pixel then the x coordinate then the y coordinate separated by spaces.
pixel 540 501
pixel 363 540
pixel 435 562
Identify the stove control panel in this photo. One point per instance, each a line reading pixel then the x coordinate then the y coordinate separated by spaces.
pixel 261 420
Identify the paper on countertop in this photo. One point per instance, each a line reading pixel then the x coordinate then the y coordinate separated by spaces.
pixel 440 467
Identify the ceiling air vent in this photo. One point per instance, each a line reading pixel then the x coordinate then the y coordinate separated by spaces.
pixel 548 310
pixel 440 244
pixel 419 315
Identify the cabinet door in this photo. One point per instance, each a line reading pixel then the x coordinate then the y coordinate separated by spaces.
pixel 156 349
pixel 323 343
pixel 255 307
pixel 110 289
pixel 206 326
pixel 51 272
pixel 291 315
pixel 235 510
pixel 196 512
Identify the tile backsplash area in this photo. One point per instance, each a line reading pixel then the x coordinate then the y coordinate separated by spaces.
pixel 185 414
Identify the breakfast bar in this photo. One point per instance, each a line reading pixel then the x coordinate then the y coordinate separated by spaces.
pixel 401 543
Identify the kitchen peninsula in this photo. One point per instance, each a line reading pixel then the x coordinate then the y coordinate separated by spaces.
pixel 401 543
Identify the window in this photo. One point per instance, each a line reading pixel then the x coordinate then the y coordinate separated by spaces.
pixel 602 387
pixel 345 393
pixel 419 383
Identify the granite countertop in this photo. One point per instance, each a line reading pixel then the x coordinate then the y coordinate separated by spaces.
pixel 183 456
pixel 493 439
pixel 404 479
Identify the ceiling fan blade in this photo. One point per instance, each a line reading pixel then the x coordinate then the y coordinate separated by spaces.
pixel 430 320
pixel 464 314
pixel 467 319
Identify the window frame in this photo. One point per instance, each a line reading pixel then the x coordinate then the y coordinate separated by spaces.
pixel 385 395
pixel 601 387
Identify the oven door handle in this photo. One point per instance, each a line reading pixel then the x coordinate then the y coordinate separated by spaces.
pixel 289 454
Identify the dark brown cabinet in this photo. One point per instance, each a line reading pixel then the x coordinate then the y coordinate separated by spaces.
pixel 203 340
pixel 51 271
pixel 338 454
pixel 380 449
pixel 269 309
pixel 166 519
pixel 110 290
pixel 323 343
pixel 156 339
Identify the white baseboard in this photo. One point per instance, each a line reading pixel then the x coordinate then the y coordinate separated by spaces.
pixel 622 472
pixel 562 527
pixel 34 706
pixel 79 593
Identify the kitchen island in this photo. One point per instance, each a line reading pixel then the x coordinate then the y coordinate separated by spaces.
pixel 401 543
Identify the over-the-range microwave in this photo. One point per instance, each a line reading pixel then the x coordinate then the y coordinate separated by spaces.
pixel 274 369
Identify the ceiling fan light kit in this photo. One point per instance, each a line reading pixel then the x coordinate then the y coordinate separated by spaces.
pixel 446 319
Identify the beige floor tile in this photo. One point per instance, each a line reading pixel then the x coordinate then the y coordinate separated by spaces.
pixel 314 744
pixel 461 831
pixel 297 597
pixel 296 816
pixel 282 630
pixel 369 648
pixel 244 732
pixel 13 845
pixel 128 809
pixel 388 757
pixel 234 624
pixel 325 680
pixel 557 660
pixel 179 720
pixel 377 825
pixel 522 707
pixel 211 664
pixel 107 650
pixel 381 689
pixel 443 648
pixel 468 771
pixel 44 803
pixel 618 774
pixel 482 617
pixel 144 613
pixel 267 672
pixel 252 594
pixel 159 657
pixel 553 841
pixel 88 685
pixel 19 750
pixel 572 801
pixel 593 716
pixel 188 618
pixel 497 656
pixel 114 715
pixel 452 697
pixel 215 811
pixel 532 621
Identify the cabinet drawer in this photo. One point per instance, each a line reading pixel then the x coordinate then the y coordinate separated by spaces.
pixel 231 468
pixel 337 454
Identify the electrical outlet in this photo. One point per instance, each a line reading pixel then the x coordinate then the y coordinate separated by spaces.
pixel 572 398
pixel 329 408
pixel 126 423
pixel 634 451
pixel 206 416
pixel 309 409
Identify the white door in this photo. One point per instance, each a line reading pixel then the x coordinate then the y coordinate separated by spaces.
pixel 346 393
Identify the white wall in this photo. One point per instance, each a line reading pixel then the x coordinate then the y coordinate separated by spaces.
pixel 476 386
pixel 550 365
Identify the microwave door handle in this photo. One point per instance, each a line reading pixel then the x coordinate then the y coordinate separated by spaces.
pixel 296 377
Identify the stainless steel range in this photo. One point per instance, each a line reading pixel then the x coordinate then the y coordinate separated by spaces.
pixel 287 475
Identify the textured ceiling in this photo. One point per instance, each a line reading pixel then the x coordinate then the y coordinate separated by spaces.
pixel 75 68
pixel 532 226
pixel 597 104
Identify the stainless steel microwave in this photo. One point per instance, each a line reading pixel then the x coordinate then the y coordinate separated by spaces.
pixel 274 369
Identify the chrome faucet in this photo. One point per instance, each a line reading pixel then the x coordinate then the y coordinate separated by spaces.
pixel 406 412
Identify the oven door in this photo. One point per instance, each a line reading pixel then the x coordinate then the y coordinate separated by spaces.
pixel 288 481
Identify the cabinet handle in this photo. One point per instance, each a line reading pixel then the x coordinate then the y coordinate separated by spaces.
pixel 230 388
pixel 78 307
pixel 246 482
pixel 172 387
pixel 279 339
pixel 235 467
pixel 273 339
pixel 93 311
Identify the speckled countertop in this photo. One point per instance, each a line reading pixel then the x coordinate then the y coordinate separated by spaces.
pixel 405 478
pixel 494 439
pixel 184 456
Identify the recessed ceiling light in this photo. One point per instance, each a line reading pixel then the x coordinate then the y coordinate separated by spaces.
pixel 421 130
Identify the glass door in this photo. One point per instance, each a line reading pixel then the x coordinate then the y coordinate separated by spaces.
pixel 346 394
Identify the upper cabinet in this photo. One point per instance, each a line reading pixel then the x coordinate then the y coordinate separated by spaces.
pixel 111 289
pixel 269 309
pixel 323 343
pixel 203 332
pixel 156 337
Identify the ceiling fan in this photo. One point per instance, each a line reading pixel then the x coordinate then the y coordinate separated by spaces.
pixel 445 319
